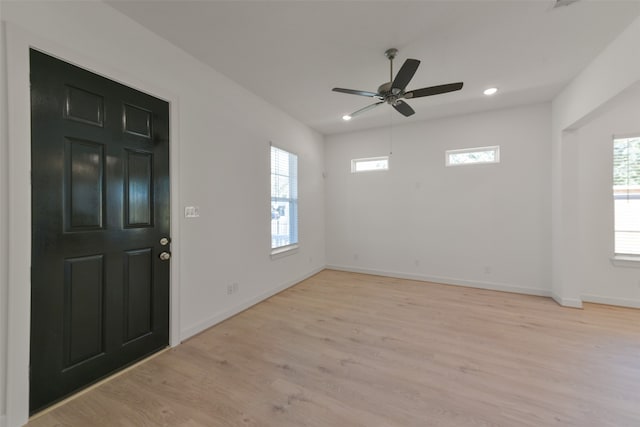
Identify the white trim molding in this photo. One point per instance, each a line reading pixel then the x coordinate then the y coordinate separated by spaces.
pixel 567 302
pixel 224 315
pixel 627 261
pixel 620 302
pixel 491 286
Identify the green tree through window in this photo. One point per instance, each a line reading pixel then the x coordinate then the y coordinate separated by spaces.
pixel 626 161
pixel 284 199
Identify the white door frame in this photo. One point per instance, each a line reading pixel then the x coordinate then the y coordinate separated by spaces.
pixel 18 43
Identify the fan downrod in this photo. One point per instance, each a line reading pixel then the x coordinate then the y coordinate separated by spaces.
pixel 385 88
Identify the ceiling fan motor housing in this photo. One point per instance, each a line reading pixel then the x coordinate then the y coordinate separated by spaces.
pixel 384 88
pixel 389 94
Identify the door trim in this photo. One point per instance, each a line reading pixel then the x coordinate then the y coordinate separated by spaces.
pixel 18 43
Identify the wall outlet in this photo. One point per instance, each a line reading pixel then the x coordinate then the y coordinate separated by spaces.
pixel 487 269
pixel 233 288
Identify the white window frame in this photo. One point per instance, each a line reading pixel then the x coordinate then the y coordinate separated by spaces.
pixel 291 248
pixel 494 148
pixel 354 164
pixel 620 259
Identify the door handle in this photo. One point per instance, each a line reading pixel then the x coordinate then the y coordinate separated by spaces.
pixel 165 241
pixel 165 256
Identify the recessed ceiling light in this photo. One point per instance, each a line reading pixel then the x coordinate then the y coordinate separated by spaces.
pixel 346 118
pixel 490 91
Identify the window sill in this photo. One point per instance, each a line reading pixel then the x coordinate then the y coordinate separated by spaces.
pixel 284 252
pixel 629 261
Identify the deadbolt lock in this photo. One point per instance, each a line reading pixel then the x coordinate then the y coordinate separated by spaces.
pixel 165 241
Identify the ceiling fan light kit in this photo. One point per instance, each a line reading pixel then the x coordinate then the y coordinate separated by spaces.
pixel 393 92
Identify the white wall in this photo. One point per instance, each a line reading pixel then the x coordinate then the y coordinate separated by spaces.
pixel 4 241
pixel 609 74
pixel 481 225
pixel 220 162
pixel 601 281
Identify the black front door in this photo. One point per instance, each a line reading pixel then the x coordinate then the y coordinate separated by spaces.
pixel 100 207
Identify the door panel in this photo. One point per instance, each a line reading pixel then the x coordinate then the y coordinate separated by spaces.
pixel 83 106
pixel 137 293
pixel 137 121
pixel 84 183
pixel 83 323
pixel 100 190
pixel 138 187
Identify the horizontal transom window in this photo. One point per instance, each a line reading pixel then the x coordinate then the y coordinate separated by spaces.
pixel 473 156
pixel 370 164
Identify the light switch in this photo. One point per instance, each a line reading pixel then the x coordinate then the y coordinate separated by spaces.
pixel 191 212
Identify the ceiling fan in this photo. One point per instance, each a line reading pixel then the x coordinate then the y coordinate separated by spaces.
pixel 393 91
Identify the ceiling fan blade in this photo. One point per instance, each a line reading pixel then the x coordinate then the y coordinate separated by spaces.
pixel 405 74
pixel 357 92
pixel 403 108
pixel 433 90
pixel 367 108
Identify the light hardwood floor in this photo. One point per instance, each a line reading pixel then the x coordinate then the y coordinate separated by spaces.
pixel 344 349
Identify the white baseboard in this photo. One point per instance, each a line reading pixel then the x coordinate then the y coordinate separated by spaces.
pixel 567 302
pixel 224 315
pixel 621 302
pixel 446 280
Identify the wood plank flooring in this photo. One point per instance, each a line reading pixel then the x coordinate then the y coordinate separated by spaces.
pixel 345 349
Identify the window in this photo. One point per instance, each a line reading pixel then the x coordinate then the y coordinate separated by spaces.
pixel 370 164
pixel 472 156
pixel 626 195
pixel 284 200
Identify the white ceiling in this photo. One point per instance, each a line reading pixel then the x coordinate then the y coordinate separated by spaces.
pixel 292 53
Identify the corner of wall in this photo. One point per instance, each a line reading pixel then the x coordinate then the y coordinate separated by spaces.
pixel 611 72
pixel 567 302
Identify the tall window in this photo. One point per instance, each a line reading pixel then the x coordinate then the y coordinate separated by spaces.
pixel 626 195
pixel 284 199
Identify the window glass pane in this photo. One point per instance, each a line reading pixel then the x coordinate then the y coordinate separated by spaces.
pixel 471 156
pixel 626 195
pixel 370 164
pixel 475 157
pixel 284 198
